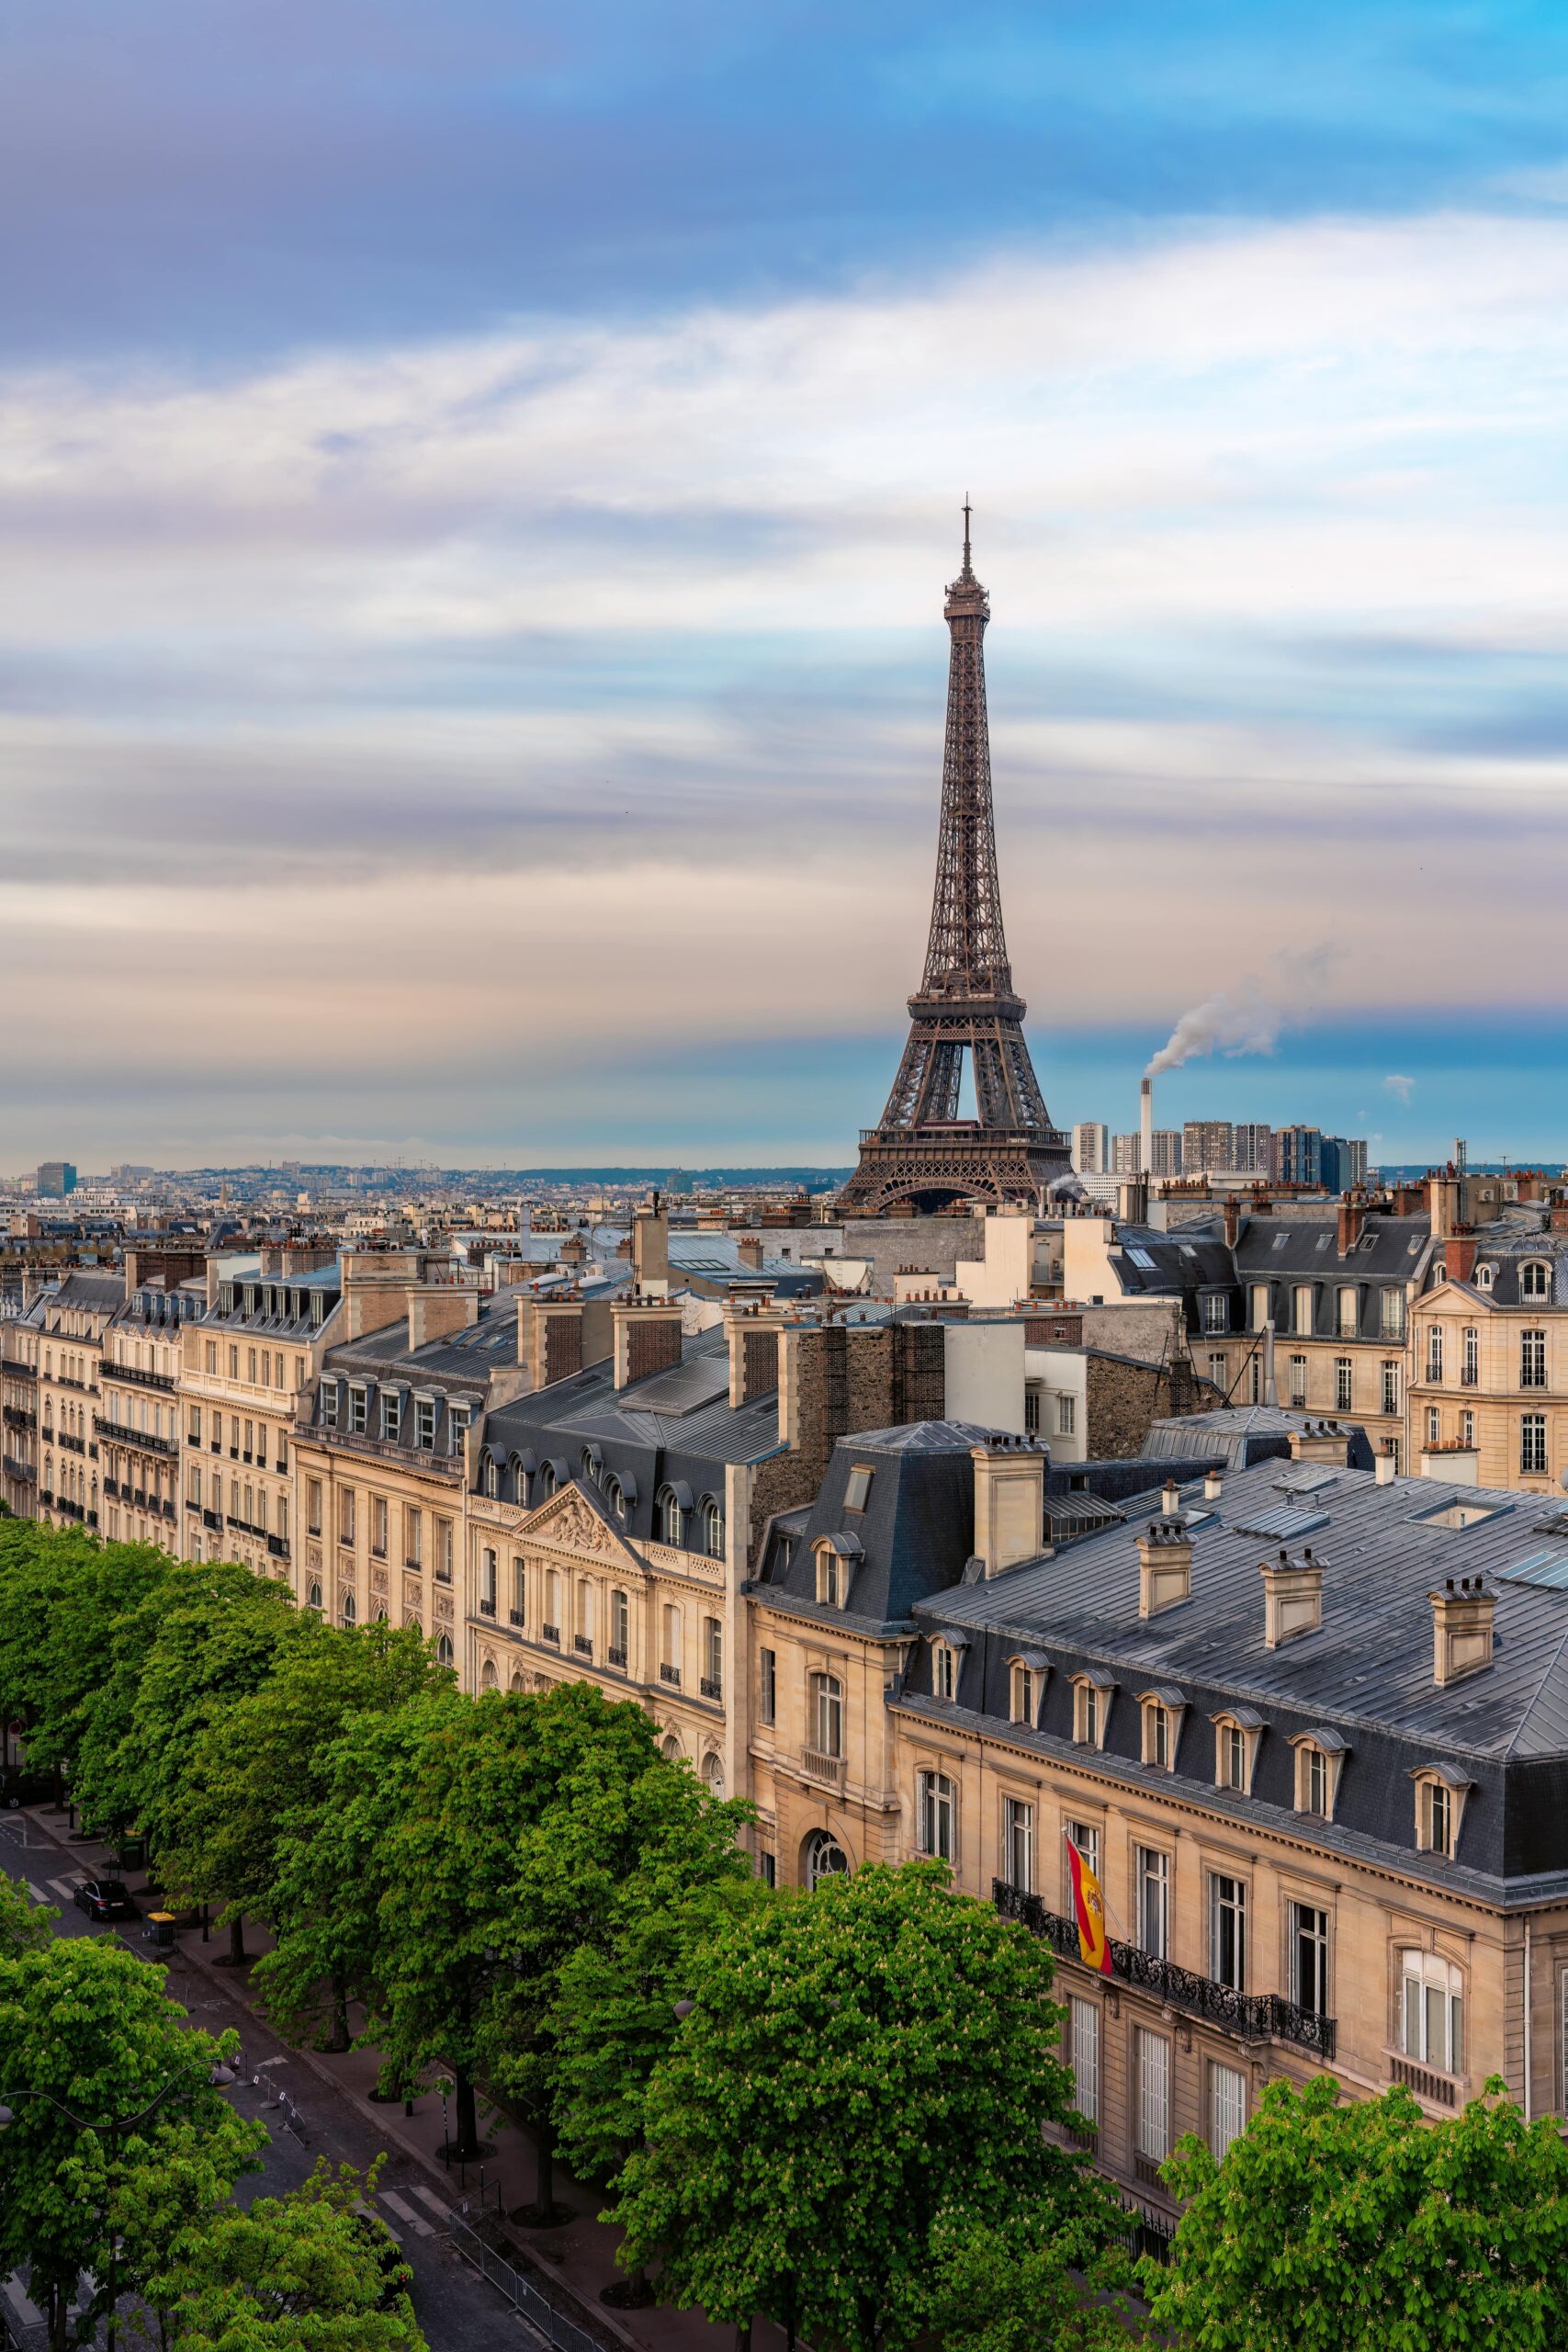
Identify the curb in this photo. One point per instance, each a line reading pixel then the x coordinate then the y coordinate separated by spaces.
pixel 587 2312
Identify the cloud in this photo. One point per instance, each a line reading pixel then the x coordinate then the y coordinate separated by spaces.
pixel 1400 1088
pixel 1247 1017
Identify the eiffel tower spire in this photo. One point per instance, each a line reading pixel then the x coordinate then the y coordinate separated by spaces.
pixel 923 1156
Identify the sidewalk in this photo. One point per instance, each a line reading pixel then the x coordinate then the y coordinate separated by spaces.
pixel 570 2263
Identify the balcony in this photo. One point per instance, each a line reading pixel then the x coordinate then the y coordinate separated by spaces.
pixel 1469 1377
pixel 70 1510
pixel 15 1418
pixel 165 1381
pixel 711 1687
pixel 514 1617
pixel 72 1444
pixel 18 1371
pixel 671 1674
pixel 487 1609
pixel 1251 2016
pixel 87 1387
pixel 614 1656
pixel 817 1765
pixel 246 1527
pixel 583 1644
pixel 14 1469
pixel 279 1546
pixel 1437 2088
pixel 140 1439
pixel 191 1503
pixel 213 1518
pixel 550 1633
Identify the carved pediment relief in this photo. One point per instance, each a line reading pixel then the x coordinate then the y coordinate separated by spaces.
pixel 570 1523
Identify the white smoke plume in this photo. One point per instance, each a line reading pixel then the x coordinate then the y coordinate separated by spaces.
pixel 1249 1017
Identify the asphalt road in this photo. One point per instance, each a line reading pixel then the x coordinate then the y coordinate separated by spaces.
pixel 456 2309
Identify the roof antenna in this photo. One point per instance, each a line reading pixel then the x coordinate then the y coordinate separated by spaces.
pixel 967 511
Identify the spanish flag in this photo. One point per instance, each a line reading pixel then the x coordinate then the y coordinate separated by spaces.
pixel 1089 1904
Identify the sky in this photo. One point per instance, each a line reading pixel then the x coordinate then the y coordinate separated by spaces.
pixel 477 486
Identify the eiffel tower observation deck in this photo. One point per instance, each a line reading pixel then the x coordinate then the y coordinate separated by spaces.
pixel 923 1157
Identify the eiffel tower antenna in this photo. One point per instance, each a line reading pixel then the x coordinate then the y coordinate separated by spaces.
pixel 922 1157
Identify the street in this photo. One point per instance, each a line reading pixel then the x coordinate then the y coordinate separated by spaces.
pixel 456 2308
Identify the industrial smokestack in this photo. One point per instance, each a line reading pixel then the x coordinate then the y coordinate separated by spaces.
pixel 1147 1126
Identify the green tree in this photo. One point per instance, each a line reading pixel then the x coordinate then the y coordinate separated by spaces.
pixel 87 2039
pixel 25 1926
pixel 63 1596
pixel 1360 2227
pixel 1044 2280
pixel 257 1775
pixel 308 2272
pixel 860 2064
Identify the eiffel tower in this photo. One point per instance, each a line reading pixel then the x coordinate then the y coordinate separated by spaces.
pixel 922 1157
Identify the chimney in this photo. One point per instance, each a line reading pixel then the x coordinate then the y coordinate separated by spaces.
pixel 1461 1629
pixel 1146 1127
pixel 1443 1194
pixel 1352 1221
pixel 647 1336
pixel 1320 1441
pixel 751 1328
pixel 650 1247
pixel 1010 1500
pixel 748 1249
pixel 1292 1596
pixel 556 1337
pixel 1170 1498
pixel 1458 1255
pixel 1383 1468
pixel 1213 1485
pixel 1133 1200
pixel 1233 1220
pixel 1165 1566
pixel 434 1312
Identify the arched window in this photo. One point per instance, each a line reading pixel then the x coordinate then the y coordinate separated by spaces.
pixel 938 1813
pixel 517 1681
pixel 1535 1279
pixel 491 1475
pixel 821 1858
pixel 444 1649
pixel 713 1528
pixel 350 1609
pixel 614 1494
pixel 1021 1692
pixel 713 1774
pixel 519 1476
pixel 1431 2010
pixel 488 1675
pixel 669 1515
pixel 313 1595
pixel 546 1479
pixel 827 1714
pixel 593 1464
pixel 671 1749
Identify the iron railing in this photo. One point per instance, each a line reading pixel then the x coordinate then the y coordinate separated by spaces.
pixel 520 2292
pixel 1251 2016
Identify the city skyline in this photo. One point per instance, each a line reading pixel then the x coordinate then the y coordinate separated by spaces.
pixel 471 672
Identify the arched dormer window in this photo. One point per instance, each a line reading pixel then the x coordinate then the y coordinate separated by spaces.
pixel 836 1557
pixel 1237 1733
pixel 1162 1711
pixel 1535 1279
pixel 669 1507
pixel 518 1468
pixel 489 1474
pixel 1026 1683
pixel 592 1464
pixel 1440 1795
pixel 545 1480
pixel 615 1497
pixel 1320 1761
pixel 1092 1693
pixel 711 1518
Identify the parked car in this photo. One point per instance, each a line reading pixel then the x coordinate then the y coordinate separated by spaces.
pixel 20 1785
pixel 103 1898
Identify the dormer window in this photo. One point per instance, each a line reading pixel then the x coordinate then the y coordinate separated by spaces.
pixel 392 1414
pixel 424 1409
pixel 1484 1276
pixel 1162 1712
pixel 1320 1761
pixel 1092 1693
pixel 836 1556
pixel 329 1404
pixel 358 1408
pixel 456 1428
pixel 857 1492
pixel 1026 1681
pixel 1441 1794
pixel 492 1474
pixel 1535 1279
pixel 947 1659
pixel 1237 1733
pixel 1216 1312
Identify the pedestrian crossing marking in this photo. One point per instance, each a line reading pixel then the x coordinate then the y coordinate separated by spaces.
pixel 21 2302
pixel 405 2212
pixel 65 1887
pixel 428 2196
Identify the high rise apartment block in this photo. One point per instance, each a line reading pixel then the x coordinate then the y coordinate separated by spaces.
pixel 55 1179
pixel 1253 1148
pixel 1127 1153
pixel 1091 1148
pixel 1207 1146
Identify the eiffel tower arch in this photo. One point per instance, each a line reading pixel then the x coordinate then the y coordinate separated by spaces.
pixel 921 1156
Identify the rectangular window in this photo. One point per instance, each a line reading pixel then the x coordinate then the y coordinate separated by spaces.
pixel 1067 1414
pixel 518 1613
pixel 1348 1305
pixel 1434 1352
pixel 443 1550
pixel 379 1525
pixel 1083 2053
pixel 713 1658
pixel 413 1535
pixel 489 1577
pixel 194 1432
pixel 196 1485
pixel 1344 1382
pixel 1021 1694
pixel 1154 2095
pixel 1432 2011
pixel 1154 1901
pixel 1532 1359
pixel 329 1404
pixel 1390 1371
pixel 1434 1426
pixel 767 1686
pixel 944 1671
pixel 1216 1311
pixel 358 1410
pixel 670 1617
pixel 939 1817
pixel 1392 1317
pixel 1439 1819
pixel 266 1368
pixel 1227 1931
pixel 456 1428
pixel 261 1444
pixel 1217 1372
pixel 424 1422
pixel 233 1363
pixel 1156 1738
pixel 1232 1756
pixel 857 1493
pixel 1227 2108
pixel 1017 1843
pixel 828 1717
pixel 1032 1394
pixel 1297 1380
pixel 1304 1311
pixel 1309 1958
pixel 767 1869
pixel 1086 1837
pixel 1315 1783
pixel 345 1515
pixel 391 1413
pixel 1467 1427
pixel 250 1439
pixel 313 1505
pixel 1469 1359
pixel 211 1355
pixel 1532 1444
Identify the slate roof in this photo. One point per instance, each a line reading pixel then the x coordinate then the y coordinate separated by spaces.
pixel 1504 1249
pixel 1240 1435
pixel 89 1294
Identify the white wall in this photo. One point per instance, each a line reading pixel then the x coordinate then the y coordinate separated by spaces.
pixel 983 1369
pixel 1060 1371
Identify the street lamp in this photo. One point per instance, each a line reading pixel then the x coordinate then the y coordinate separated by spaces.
pixel 221 2076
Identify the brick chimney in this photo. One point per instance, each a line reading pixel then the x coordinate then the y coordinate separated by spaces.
pixel 647 1336
pixel 1233 1220
pixel 441 1308
pixel 650 1247
pixel 1010 1500
pixel 748 1249
pixel 751 1328
pixel 1320 1441
pixel 1292 1598
pixel 1462 1610
pixel 1165 1566
pixel 1352 1221
pixel 1458 1255
pixel 1443 1194
pixel 556 1337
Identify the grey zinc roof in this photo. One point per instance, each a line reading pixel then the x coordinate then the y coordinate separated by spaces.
pixel 93 1293
pixel 1370 1663
pixel 1389 1248
pixel 1238 1435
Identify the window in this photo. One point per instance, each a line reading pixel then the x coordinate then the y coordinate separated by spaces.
pixel 1434 1352
pixel 1434 1426
pixel 669 1515
pixel 358 1409
pixel 1297 1380
pixel 1309 1958
pixel 1470 1357
pixel 615 1496
pixel 1159 1735
pixel 1532 1444
pixel 1089 1709
pixel 1391 1387
pixel 1017 1843
pixel 313 1595
pixel 488 1579
pixel 233 1363
pixel 444 1649
pixel 194 1432
pixel 827 1715
pixel 1230 1757
pixel 456 1428
pixel 1347 1310
pixel 413 1534
pixel 823 1857
pixel 1484 1277
pixel 329 1404
pixel 938 1816
pixel 491 1477
pixel 1532 1359
pixel 1032 1396
pixel 345 1515
pixel 713 1529
pixel 767 1868
pixel 1067 1414
pixel 1217 1371
pixel 391 1413
pixel 1227 1931
pixel 1086 1837
pixel 518 1613
pixel 1154 2095
pixel 1021 1694
pixel 1216 1311
pixel 857 1493
pixel 1431 2020
pixel 1535 1279
pixel 1467 1427
pixel 767 1687
pixel 713 1658
pixel 1153 1870
pixel 1312 1782
pixel 1435 1817
pixel 379 1525
pixel 1344 1382
pixel 1083 2055
pixel 1303 1319
pixel 443 1550
pixel 1227 2108
pixel 831 1580
pixel 350 1609
pixel 1393 1314
pixel 944 1670
pixel 210 1363
pixel 670 1665
pixel 313 1505
pixel 424 1422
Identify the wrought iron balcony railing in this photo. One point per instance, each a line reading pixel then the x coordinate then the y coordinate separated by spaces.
pixel 1252 2017
pixel 164 1380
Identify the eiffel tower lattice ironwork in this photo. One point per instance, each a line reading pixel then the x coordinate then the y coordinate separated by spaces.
pixel 923 1156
